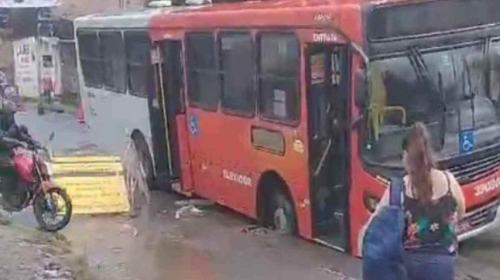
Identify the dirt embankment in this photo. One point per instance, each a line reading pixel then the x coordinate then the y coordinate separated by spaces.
pixel 27 254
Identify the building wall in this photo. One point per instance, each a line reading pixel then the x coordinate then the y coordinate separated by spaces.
pixel 6 57
pixel 71 9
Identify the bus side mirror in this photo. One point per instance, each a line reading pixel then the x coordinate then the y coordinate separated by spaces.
pixel 361 97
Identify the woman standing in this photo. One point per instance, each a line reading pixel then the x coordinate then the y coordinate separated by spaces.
pixel 433 205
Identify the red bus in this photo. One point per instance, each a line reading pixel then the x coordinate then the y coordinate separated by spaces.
pixel 293 112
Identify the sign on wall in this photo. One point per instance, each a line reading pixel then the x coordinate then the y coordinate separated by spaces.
pixel 26 67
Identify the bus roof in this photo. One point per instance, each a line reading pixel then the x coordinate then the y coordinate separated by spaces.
pixel 121 19
pixel 274 13
pixel 138 18
pixel 219 13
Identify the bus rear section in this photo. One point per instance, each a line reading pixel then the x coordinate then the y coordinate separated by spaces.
pixel 277 117
pixel 115 80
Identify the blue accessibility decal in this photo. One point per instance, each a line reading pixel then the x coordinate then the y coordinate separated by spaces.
pixel 466 141
pixel 193 125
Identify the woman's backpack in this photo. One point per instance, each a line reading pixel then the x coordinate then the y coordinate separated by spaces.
pixel 383 241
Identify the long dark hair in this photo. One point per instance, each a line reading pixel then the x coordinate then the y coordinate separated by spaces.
pixel 420 161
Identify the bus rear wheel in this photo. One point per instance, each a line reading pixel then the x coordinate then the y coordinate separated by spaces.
pixel 283 216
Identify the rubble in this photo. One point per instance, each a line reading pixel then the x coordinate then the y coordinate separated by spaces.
pixel 191 209
pixel 126 228
pixel 255 229
pixel 194 202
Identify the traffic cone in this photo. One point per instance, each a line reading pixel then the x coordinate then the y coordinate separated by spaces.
pixel 81 114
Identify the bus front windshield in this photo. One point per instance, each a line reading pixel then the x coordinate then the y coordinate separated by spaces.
pixel 455 91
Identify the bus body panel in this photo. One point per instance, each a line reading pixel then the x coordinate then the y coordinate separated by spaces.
pixel 187 186
pixel 227 168
pixel 112 116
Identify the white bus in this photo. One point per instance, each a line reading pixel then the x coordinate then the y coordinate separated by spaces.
pixel 113 51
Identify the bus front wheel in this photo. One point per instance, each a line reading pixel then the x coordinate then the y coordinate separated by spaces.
pixel 141 147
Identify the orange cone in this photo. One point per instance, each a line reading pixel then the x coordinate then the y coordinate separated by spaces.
pixel 81 114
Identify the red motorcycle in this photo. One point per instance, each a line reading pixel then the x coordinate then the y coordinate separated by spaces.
pixel 30 183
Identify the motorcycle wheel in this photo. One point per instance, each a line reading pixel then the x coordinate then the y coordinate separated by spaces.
pixel 53 209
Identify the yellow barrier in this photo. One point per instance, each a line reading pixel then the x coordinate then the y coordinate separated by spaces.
pixel 94 184
pixel 85 167
pixel 84 159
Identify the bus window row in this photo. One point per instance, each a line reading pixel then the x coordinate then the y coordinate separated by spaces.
pixel 244 74
pixel 115 60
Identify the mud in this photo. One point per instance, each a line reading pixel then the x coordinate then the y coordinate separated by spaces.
pixel 28 254
pixel 217 244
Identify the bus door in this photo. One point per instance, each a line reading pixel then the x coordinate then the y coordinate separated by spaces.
pixel 327 85
pixel 168 106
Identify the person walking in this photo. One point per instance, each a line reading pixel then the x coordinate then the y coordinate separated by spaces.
pixel 48 88
pixel 433 205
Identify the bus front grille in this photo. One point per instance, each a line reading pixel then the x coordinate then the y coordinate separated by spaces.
pixel 479 217
pixel 476 169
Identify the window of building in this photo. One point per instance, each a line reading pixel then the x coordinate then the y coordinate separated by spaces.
pixel 113 52
pixel 47 61
pixel 90 58
pixel 237 66
pixel 137 47
pixel 279 67
pixel 204 78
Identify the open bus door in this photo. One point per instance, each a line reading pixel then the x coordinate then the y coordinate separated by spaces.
pixel 327 77
pixel 168 106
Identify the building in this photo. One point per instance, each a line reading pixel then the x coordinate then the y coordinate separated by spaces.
pixel 37 40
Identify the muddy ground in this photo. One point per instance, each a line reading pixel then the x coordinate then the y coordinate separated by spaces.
pixel 214 244
pixel 27 254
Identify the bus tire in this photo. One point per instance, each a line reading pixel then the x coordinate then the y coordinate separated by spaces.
pixel 282 215
pixel 141 147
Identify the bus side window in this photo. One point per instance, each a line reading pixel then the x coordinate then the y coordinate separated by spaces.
pixel 237 66
pixel 279 68
pixel 137 47
pixel 203 76
pixel 113 52
pixel 90 58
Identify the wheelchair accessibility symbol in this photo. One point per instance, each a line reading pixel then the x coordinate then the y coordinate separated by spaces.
pixel 466 141
pixel 193 125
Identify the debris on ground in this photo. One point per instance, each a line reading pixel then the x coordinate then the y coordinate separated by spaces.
pixel 194 202
pixel 336 275
pixel 30 254
pixel 126 228
pixel 163 212
pixel 4 218
pixel 188 209
pixel 255 229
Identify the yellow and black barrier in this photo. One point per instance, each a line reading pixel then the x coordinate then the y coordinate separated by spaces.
pixel 95 184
